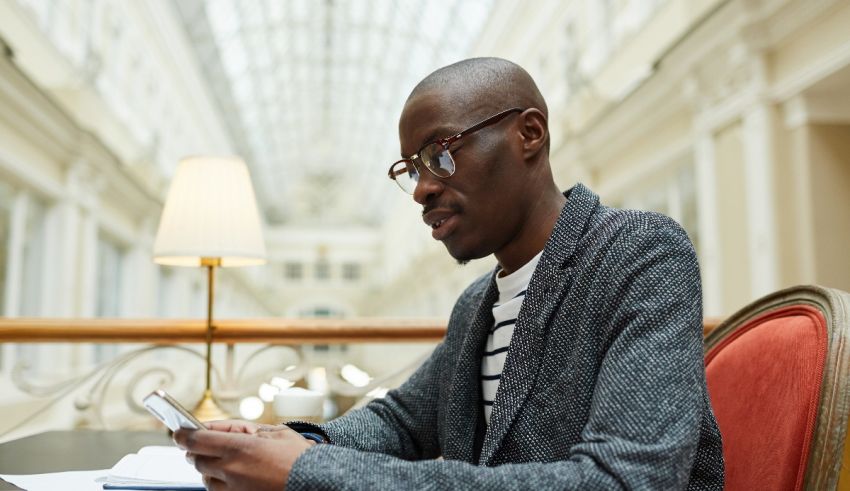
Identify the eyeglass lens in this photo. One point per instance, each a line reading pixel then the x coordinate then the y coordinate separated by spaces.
pixel 434 156
pixel 438 160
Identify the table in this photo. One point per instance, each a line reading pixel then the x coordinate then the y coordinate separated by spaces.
pixel 78 450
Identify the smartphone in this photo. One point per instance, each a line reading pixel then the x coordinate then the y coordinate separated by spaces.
pixel 170 412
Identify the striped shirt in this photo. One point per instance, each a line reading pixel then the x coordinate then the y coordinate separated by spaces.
pixel 511 294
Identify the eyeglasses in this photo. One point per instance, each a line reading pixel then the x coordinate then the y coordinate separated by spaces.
pixel 435 156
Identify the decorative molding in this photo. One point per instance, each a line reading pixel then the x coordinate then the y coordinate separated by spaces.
pixel 776 20
pixel 40 120
pixel 709 65
pixel 816 109
pixel 820 64
pixel 31 112
pixel 665 158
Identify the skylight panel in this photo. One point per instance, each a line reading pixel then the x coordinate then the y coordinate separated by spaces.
pixel 302 77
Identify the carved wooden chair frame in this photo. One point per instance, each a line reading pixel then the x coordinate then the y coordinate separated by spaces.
pixel 829 458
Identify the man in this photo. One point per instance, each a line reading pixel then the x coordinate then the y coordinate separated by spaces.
pixel 576 364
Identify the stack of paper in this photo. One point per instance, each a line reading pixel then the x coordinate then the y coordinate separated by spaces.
pixel 76 480
pixel 154 468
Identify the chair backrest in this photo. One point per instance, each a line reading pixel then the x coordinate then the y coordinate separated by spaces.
pixel 778 376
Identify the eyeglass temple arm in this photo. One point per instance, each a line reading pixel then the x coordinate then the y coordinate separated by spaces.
pixel 491 120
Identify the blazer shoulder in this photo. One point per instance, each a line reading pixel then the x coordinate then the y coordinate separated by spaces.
pixel 610 222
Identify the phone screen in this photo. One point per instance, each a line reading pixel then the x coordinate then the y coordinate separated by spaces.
pixel 170 412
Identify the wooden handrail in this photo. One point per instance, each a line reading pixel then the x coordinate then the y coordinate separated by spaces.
pixel 268 331
pixel 172 331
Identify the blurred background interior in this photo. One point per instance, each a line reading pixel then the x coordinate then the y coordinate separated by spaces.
pixel 731 116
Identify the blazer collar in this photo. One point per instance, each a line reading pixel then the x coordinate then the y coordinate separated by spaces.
pixel 464 411
pixel 569 229
pixel 544 293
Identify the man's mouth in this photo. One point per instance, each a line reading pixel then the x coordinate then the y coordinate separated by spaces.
pixel 442 220
pixel 442 224
pixel 436 217
pixel 438 223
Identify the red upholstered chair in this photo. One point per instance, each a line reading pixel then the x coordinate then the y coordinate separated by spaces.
pixel 779 380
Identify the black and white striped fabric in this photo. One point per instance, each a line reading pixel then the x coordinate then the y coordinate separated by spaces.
pixel 505 310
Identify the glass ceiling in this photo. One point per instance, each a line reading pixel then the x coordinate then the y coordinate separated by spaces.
pixel 311 91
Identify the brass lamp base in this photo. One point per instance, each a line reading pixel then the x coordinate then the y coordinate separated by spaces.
pixel 207 409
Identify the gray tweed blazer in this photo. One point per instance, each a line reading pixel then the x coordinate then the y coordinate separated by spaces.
pixel 603 386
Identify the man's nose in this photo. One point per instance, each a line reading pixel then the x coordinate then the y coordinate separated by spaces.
pixel 427 187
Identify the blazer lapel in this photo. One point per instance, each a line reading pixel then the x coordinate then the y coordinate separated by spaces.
pixel 545 291
pixel 464 405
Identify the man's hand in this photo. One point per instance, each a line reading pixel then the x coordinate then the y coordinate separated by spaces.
pixel 240 426
pixel 239 460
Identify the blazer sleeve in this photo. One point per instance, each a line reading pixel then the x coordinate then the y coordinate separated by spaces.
pixel 402 424
pixel 643 427
pixel 650 397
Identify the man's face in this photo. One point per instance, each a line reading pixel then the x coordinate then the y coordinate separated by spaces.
pixel 479 209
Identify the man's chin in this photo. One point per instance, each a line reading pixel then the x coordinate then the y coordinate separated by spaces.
pixel 462 256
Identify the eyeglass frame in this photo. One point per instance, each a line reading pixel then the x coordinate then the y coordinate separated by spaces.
pixel 447 142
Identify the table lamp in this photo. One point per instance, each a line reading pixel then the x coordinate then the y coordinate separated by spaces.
pixel 210 219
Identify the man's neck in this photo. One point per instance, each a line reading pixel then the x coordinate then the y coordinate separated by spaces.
pixel 534 233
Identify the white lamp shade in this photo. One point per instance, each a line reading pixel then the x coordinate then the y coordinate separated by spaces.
pixel 210 212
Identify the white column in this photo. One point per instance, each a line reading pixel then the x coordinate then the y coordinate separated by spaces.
pixel 88 265
pixel 87 185
pixel 15 254
pixel 88 275
pixel 798 114
pixel 758 170
pixel 60 276
pixel 14 266
pixel 61 250
pixel 86 298
pixel 65 244
pixel 711 262
pixel 138 282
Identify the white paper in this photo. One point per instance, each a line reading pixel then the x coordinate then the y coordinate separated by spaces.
pixel 155 469
pixel 74 480
pixel 163 450
pixel 151 465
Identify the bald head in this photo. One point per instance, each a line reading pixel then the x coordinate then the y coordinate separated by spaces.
pixel 500 197
pixel 484 84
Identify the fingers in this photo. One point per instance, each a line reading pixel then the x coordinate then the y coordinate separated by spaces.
pixel 179 438
pixel 210 443
pixel 213 484
pixel 265 427
pixel 241 461
pixel 233 426
pixel 210 467
pixel 278 433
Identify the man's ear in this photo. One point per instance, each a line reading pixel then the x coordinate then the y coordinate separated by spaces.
pixel 534 130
